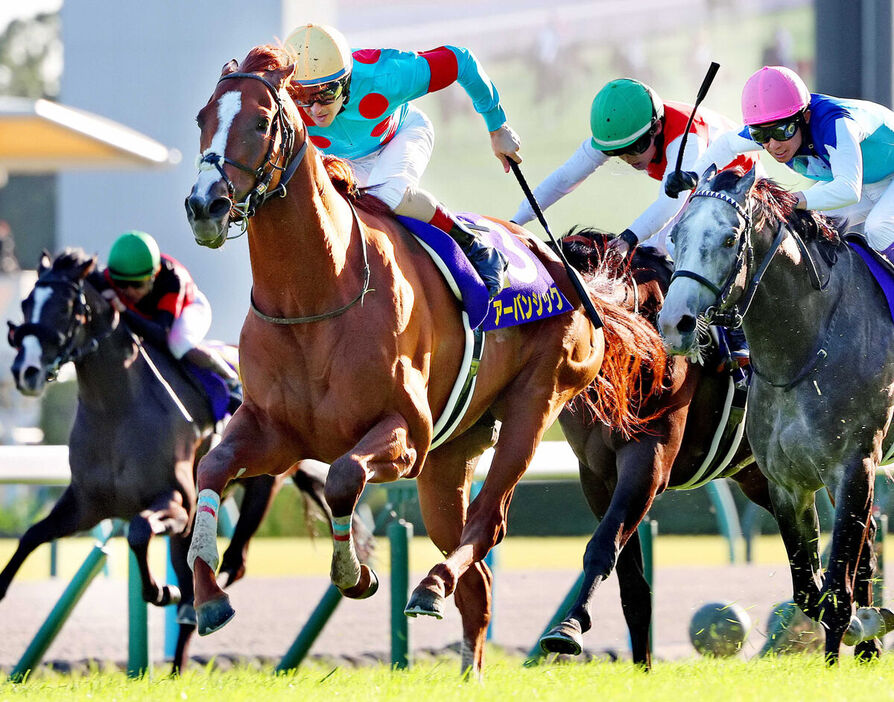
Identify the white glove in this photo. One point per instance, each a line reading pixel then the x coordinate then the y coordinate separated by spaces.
pixel 112 298
pixel 505 143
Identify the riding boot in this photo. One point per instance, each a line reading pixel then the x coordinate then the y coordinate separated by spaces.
pixel 490 263
pixel 738 357
pixel 209 358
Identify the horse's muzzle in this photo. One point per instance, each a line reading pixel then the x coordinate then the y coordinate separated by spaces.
pixel 209 219
pixel 30 380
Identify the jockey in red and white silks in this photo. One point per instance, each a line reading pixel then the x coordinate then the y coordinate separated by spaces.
pixel 628 120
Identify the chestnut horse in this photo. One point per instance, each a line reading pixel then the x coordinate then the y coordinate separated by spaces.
pixel 622 475
pixel 353 344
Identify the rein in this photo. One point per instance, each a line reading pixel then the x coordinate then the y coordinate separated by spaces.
pixel 241 212
pixel 333 313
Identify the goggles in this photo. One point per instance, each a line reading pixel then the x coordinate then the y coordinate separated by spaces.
pixel 324 94
pixel 132 283
pixel 781 131
pixel 635 149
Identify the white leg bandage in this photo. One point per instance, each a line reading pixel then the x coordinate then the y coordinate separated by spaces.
pixel 204 532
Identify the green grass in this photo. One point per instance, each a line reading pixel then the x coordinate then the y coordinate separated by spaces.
pixel 794 678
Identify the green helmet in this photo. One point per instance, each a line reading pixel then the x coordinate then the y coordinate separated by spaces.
pixel 134 256
pixel 623 111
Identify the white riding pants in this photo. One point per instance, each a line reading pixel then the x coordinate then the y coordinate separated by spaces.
pixel 390 170
pixel 875 212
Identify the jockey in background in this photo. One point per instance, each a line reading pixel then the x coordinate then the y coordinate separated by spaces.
pixel 159 302
pixel 630 121
pixel 845 145
pixel 356 105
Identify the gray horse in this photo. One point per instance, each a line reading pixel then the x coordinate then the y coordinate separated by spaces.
pixel 822 346
pixel 141 426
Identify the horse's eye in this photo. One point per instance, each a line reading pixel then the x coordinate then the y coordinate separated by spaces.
pixel 729 242
pixel 262 125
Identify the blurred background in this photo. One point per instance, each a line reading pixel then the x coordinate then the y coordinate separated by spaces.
pixel 129 78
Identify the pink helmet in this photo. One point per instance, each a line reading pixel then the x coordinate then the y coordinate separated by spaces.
pixel 772 93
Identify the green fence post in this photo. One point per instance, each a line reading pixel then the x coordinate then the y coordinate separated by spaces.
pixel 648 532
pixel 138 622
pixel 60 613
pixel 878 583
pixel 727 514
pixel 400 533
pixel 311 630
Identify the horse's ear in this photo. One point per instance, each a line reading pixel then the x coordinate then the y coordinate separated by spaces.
pixel 280 77
pixel 44 263
pixel 85 268
pixel 229 67
pixel 746 182
pixel 709 173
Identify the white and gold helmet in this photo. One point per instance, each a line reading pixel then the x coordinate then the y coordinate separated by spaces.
pixel 321 55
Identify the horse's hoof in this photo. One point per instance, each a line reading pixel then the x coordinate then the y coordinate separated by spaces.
pixel 214 615
pixel 366 586
pixel 425 602
pixel 186 615
pixel 565 638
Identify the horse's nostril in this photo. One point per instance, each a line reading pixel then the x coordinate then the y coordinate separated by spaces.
pixel 194 206
pixel 219 208
pixel 686 324
pixel 31 375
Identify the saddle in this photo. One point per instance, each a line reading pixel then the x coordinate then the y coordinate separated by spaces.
pixel 531 293
pixel 881 268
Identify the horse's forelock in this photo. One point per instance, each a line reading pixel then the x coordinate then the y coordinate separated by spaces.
pixel 70 260
pixel 265 58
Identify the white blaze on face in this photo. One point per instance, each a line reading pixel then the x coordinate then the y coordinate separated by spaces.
pixel 228 106
pixel 30 344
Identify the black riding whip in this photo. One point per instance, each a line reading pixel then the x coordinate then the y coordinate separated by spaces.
pixel 706 84
pixel 572 274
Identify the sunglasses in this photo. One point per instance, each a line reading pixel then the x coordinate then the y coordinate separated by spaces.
pixel 133 283
pixel 325 94
pixel 635 149
pixel 781 131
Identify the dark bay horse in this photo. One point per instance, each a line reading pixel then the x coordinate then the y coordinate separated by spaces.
pixel 139 430
pixel 622 474
pixel 822 349
pixel 353 344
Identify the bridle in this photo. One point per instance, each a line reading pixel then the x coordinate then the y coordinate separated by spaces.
pixel 66 342
pixel 240 212
pixel 258 195
pixel 727 312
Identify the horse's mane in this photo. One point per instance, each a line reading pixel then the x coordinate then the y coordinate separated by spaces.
pixel 635 364
pixel 775 202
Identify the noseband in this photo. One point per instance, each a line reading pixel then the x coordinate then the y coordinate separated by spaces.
pixel 724 312
pixel 258 195
pixel 68 350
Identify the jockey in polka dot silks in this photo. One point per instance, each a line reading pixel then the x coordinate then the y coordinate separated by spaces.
pixel 847 146
pixel 356 105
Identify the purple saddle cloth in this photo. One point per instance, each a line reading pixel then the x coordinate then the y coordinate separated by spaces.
pixel 882 271
pixel 215 389
pixel 531 294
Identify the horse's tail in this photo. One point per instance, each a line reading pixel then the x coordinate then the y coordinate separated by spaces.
pixel 633 369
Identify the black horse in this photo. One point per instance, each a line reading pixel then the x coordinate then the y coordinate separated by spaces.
pixel 684 440
pixel 140 428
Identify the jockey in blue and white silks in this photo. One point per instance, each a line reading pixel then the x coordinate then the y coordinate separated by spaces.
pixel 847 146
